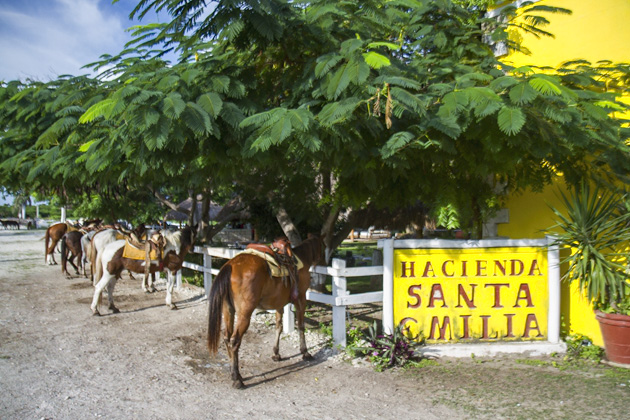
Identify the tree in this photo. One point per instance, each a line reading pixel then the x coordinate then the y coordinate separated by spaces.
pixel 412 92
pixel 329 114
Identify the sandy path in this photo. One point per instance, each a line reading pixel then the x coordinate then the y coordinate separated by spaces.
pixel 148 362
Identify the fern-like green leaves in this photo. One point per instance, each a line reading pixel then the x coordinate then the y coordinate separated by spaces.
pixel 511 120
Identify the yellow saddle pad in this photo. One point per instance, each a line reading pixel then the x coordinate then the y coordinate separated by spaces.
pixel 71 228
pixel 276 270
pixel 135 253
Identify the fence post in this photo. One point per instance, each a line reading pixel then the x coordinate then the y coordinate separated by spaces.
pixel 207 275
pixel 388 286
pixel 339 312
pixel 288 319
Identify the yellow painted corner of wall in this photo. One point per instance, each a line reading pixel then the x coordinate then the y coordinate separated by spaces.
pixel 580 314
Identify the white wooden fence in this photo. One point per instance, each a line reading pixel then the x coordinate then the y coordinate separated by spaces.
pixel 339 299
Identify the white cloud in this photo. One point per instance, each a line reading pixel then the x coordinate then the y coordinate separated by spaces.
pixel 44 39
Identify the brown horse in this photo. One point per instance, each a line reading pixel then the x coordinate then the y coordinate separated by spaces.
pixel 53 234
pixel 243 284
pixel 178 244
pixel 71 244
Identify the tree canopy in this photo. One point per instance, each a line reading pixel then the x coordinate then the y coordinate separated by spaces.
pixel 329 115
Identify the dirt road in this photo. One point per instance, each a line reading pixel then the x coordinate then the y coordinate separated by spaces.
pixel 148 362
pixel 57 361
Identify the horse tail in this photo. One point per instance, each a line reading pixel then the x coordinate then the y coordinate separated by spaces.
pixel 64 253
pixel 219 293
pixel 98 268
pixel 46 238
pixel 92 261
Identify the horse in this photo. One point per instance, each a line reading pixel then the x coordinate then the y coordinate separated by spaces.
pixel 177 245
pixel 10 224
pixel 243 284
pixel 53 234
pixel 86 249
pixel 99 241
pixel 71 244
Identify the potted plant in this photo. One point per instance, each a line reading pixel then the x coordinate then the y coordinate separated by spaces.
pixel 595 226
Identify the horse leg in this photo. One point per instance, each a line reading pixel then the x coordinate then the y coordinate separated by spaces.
pixel 151 286
pixel 169 289
pixel 110 295
pixel 71 261
pixel 148 283
pixel 145 282
pixel 50 253
pixel 276 347
pixel 300 309
pixel 80 263
pixel 228 318
pixel 242 324
pixel 98 292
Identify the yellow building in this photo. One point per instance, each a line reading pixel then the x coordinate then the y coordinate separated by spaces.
pixel 596 30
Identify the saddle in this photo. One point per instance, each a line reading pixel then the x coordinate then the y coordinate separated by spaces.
pixel 151 249
pixel 281 261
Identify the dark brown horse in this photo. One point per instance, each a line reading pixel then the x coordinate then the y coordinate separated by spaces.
pixel 178 244
pixel 53 234
pixel 243 284
pixel 71 247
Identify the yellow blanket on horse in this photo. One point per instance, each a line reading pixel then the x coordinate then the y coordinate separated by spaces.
pixel 135 253
pixel 276 270
pixel 71 228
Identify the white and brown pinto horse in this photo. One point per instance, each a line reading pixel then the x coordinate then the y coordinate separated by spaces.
pixel 112 263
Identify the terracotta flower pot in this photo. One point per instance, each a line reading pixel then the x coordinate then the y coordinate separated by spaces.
pixel 616 333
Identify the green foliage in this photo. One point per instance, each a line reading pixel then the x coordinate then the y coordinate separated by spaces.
pixel 325 109
pixel 580 347
pixel 384 350
pixel 326 330
pixel 596 229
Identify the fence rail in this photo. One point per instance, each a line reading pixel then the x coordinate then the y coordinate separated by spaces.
pixel 338 300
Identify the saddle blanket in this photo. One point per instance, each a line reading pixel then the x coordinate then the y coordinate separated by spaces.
pixel 135 253
pixel 276 270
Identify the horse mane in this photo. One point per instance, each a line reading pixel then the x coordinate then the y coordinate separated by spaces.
pixel 173 239
pixel 178 238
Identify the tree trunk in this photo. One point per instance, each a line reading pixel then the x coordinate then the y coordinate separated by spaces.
pixel 228 213
pixel 288 227
pixel 193 208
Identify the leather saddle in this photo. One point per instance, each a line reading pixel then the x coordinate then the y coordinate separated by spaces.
pixel 281 253
pixel 138 248
pixel 277 250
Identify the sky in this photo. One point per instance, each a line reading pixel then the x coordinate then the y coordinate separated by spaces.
pixel 43 39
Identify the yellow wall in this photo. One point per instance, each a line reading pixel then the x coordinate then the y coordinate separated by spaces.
pixel 597 30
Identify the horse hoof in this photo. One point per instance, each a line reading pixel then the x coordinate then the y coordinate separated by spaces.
pixel 96 313
pixel 115 310
pixel 238 384
pixel 276 358
pixel 307 356
pixel 172 307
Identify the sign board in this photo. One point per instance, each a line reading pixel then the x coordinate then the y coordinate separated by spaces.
pixel 485 291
